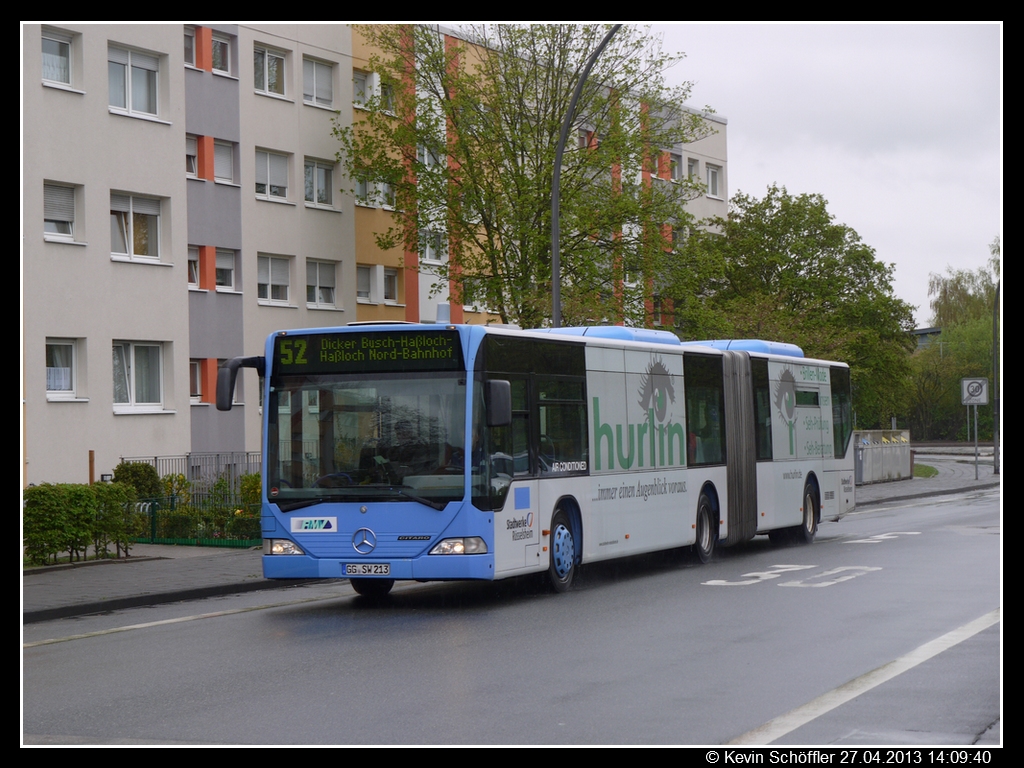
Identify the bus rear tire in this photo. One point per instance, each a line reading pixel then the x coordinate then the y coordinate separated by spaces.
pixel 562 569
pixel 375 589
pixel 804 533
pixel 707 532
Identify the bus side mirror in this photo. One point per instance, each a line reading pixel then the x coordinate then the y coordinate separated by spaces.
pixel 226 375
pixel 498 402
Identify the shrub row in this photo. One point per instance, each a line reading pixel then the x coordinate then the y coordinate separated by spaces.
pixel 70 518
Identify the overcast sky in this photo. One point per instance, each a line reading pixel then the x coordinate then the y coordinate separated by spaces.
pixel 898 126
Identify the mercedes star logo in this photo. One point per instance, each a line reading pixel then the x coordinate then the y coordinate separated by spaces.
pixel 363 541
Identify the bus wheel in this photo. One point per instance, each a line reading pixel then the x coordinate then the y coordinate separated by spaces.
pixel 804 533
pixel 707 532
pixel 374 589
pixel 562 570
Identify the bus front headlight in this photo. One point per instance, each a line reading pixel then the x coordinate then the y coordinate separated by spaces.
pixel 281 547
pixel 470 545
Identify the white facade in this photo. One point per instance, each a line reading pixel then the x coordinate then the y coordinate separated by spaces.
pixel 145 226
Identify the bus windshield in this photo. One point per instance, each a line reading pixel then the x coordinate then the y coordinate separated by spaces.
pixel 363 437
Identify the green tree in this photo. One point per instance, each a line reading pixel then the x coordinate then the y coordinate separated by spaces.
pixel 781 268
pixel 464 135
pixel 962 304
pixel 962 295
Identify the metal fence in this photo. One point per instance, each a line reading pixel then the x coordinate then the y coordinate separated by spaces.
pixel 211 521
pixel 203 470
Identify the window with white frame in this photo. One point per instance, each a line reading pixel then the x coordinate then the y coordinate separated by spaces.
pixel 134 226
pixel 714 172
pixel 221 58
pixel 225 269
pixel 427 157
pixel 193 267
pixel 360 88
pixel 317 83
pixel 391 285
pixel 386 194
pixel 675 166
pixel 268 67
pixel 138 377
pixel 56 57
pixel 432 246
pixel 318 182
pixel 271 175
pixel 387 97
pixel 320 281
pixel 363 280
pixel 224 161
pixel 272 279
pixel 191 156
pixel 692 168
pixel 132 77
pixel 362 191
pixel 190 46
pixel 60 368
pixel 195 380
pixel 58 212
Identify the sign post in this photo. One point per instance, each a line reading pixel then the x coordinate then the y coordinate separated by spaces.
pixel 974 392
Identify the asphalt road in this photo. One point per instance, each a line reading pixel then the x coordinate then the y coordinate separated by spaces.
pixel 885 631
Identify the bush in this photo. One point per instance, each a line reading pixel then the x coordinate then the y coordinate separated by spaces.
pixel 140 476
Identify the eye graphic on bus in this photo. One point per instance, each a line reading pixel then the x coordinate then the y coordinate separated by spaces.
pixel 656 389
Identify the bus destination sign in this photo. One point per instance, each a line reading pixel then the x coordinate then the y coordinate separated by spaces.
pixel 367 352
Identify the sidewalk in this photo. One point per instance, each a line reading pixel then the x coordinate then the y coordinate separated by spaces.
pixel 156 574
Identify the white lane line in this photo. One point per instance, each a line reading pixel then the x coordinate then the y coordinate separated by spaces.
pixel 780 726
pixel 179 620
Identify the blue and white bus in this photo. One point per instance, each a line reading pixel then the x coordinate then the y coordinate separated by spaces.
pixel 435 452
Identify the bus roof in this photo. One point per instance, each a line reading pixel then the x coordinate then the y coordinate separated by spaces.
pixel 750 345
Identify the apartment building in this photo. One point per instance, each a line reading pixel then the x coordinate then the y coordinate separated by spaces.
pixel 181 200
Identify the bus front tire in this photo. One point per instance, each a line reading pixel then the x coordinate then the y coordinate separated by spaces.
pixel 707 531
pixel 562 569
pixel 374 589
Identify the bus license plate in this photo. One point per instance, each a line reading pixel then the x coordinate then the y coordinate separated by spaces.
pixel 367 569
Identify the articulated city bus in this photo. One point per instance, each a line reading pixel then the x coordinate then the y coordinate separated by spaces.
pixel 436 452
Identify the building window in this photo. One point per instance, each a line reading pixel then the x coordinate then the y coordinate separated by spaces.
pixel 318 182
pixel 134 226
pixel 387 97
pixel 271 175
pixel 56 58
pixel 273 273
pixel 132 79
pixel 363 283
pixel 221 55
pixel 713 181
pixel 190 46
pixel 193 267
pixel 268 66
pixel 360 89
pixel 60 368
pixel 320 277
pixel 391 286
pixel 692 168
pixel 58 212
pixel 225 269
pixel 317 83
pixel 675 167
pixel 363 191
pixel 137 374
pixel 224 161
pixel 386 194
pixel 432 246
pixel 191 156
pixel 195 380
